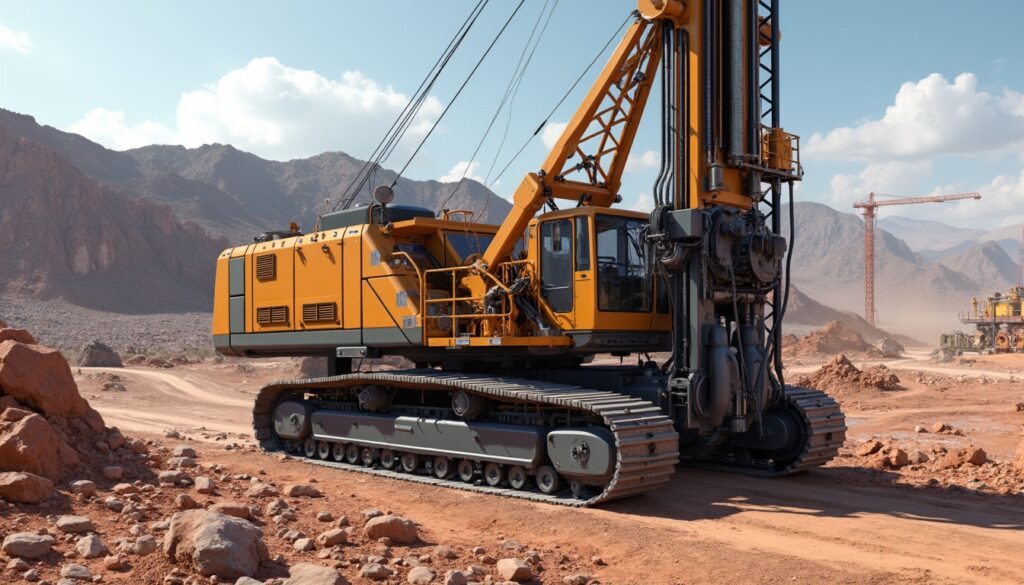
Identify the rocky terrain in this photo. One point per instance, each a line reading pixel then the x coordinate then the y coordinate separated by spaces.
pixel 80 502
pixel 68 327
pixel 929 466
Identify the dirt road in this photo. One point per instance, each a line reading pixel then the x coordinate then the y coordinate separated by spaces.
pixel 834 525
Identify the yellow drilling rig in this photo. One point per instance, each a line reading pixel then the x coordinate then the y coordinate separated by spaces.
pixel 502 321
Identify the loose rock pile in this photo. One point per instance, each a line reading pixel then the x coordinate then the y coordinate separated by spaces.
pixel 968 467
pixel 80 503
pixel 840 373
pixel 47 430
pixel 833 338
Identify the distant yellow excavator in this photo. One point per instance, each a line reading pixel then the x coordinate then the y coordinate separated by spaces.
pixel 503 321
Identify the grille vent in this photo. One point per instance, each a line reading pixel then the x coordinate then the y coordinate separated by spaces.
pixel 266 267
pixel 315 312
pixel 272 315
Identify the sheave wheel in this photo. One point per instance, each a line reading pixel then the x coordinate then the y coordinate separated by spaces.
pixel 352 453
pixel 547 478
pixel 387 459
pixel 467 470
pixel 338 452
pixel 493 474
pixel 309 447
pixel 516 477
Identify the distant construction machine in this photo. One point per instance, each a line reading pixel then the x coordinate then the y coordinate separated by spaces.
pixel 869 206
pixel 502 320
pixel 998 320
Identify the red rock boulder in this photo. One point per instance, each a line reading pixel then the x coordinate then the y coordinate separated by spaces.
pixel 26 488
pixel 29 443
pixel 19 335
pixel 39 377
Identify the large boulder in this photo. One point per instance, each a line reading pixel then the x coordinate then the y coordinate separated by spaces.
pixel 19 335
pixel 27 545
pixel 308 574
pixel 39 377
pixel 889 347
pixel 399 530
pixel 25 488
pixel 30 444
pixel 215 544
pixel 97 354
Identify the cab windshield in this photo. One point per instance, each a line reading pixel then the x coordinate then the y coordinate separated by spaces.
pixel 623 283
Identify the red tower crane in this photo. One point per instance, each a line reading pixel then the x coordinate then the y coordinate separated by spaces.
pixel 869 205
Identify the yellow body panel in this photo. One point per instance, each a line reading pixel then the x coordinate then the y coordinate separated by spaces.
pixel 277 290
pixel 318 276
pixel 221 325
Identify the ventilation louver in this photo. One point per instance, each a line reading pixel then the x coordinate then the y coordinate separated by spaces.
pixel 319 312
pixel 266 267
pixel 272 315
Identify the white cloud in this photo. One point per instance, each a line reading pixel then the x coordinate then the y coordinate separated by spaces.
pixel 644 161
pixel 110 129
pixel 1002 202
pixel 552 132
pixel 281 113
pixel 893 178
pixel 931 117
pixel 644 202
pixel 459 170
pixel 17 41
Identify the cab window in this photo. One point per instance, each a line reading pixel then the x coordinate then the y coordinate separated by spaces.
pixel 622 281
pixel 556 264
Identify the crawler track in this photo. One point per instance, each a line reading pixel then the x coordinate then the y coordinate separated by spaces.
pixel 826 433
pixel 647 445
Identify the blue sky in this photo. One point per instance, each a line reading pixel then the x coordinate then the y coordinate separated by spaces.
pixel 899 97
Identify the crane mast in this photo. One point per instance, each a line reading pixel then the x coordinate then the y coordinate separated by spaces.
pixel 870 205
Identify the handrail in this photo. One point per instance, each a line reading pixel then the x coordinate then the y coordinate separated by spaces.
pixel 503 319
pixel 423 290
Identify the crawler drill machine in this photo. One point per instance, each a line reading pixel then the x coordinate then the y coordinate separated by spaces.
pixel 503 321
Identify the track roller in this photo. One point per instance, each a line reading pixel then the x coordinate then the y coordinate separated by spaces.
pixel 309 447
pixel 443 468
pixel 352 453
pixel 323 450
pixel 548 480
pixel 494 474
pixel 410 462
pixel 517 477
pixel 467 470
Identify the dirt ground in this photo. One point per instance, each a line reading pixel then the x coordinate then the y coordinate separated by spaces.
pixel 844 523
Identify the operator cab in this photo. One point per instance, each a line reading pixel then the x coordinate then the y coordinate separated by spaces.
pixel 595 278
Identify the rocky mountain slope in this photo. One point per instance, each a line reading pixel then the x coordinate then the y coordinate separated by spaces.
pixel 988 264
pixel 912 294
pixel 64 235
pixel 803 310
pixel 926 235
pixel 235 194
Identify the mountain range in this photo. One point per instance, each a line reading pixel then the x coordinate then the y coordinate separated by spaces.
pixel 136 231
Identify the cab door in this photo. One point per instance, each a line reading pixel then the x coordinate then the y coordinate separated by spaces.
pixel 556 264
